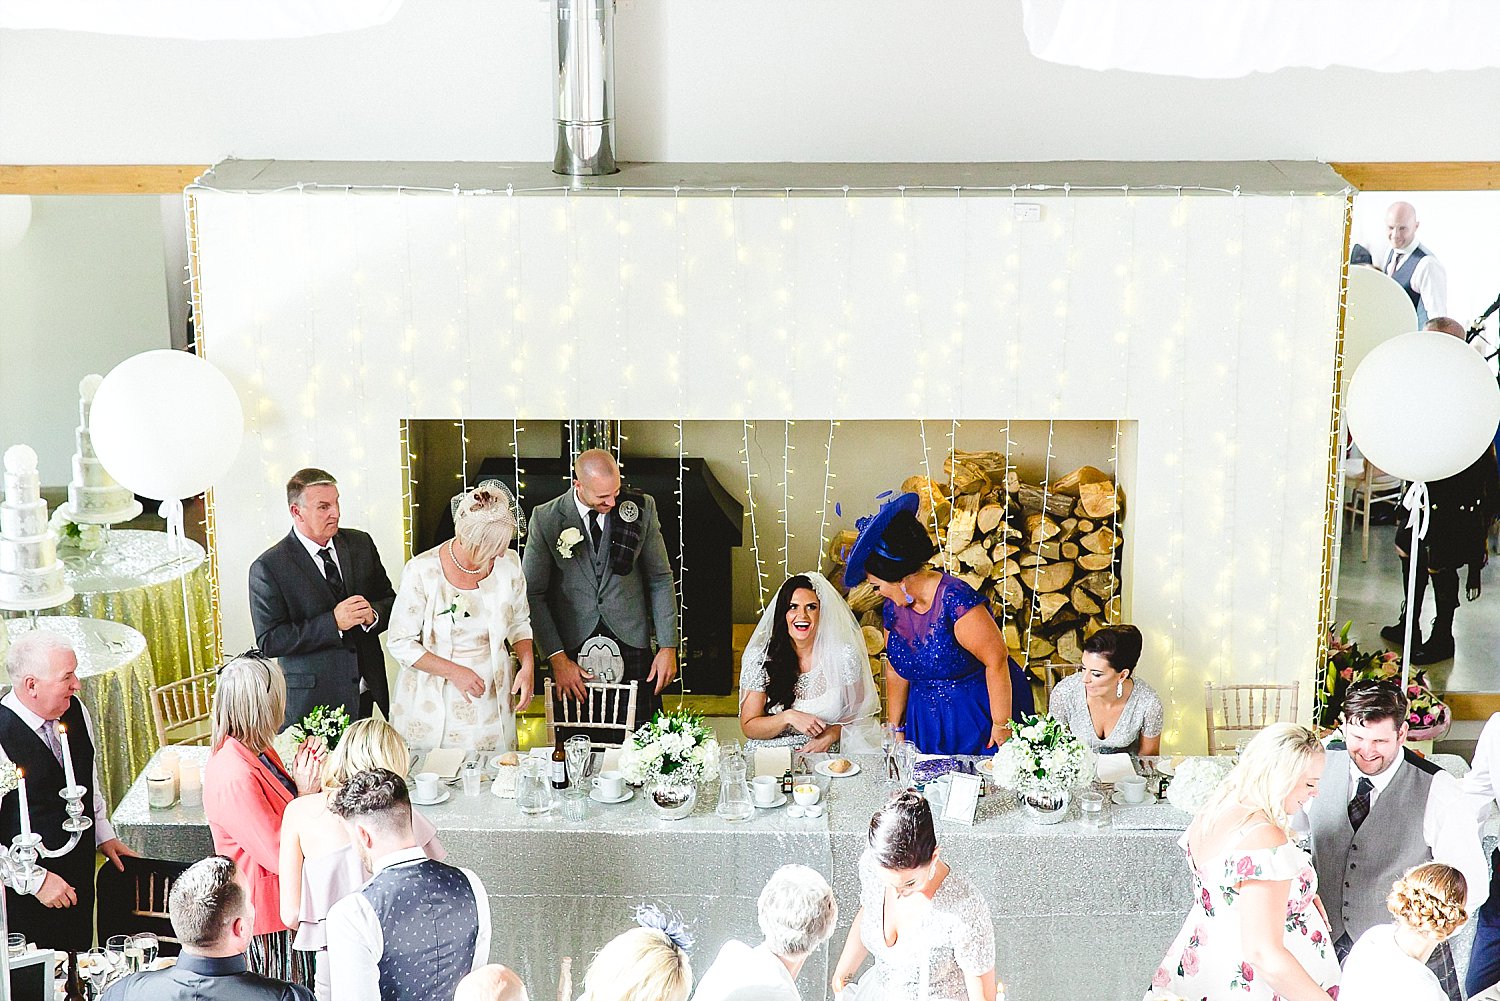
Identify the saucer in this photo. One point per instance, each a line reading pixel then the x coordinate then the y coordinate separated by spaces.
pixel 822 769
pixel 443 795
pixel 598 797
pixel 1118 799
pixel 780 800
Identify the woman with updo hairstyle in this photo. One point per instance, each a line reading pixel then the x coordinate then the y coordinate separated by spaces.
pixel 928 929
pixel 1390 961
pixel 461 630
pixel 647 963
pixel 1103 704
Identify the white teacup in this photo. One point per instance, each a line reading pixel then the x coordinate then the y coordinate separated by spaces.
pixel 1132 788
pixel 428 785
pixel 765 789
pixel 806 794
pixel 611 785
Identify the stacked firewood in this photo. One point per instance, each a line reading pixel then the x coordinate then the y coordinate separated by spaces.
pixel 1046 556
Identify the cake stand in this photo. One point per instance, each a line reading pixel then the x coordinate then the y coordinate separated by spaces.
pixel 39 604
pixel 129 512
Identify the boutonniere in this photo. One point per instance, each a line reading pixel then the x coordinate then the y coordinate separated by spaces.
pixel 459 609
pixel 569 538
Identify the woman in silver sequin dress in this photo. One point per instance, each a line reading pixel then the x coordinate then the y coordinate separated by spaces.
pixel 928 929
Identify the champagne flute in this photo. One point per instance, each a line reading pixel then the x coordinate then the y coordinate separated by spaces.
pixel 149 946
pixel 94 966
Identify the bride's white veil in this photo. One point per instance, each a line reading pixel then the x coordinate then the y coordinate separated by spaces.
pixel 839 652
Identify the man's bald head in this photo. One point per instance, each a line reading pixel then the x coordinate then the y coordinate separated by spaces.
pixel 1447 325
pixel 596 478
pixel 1401 225
pixel 491 983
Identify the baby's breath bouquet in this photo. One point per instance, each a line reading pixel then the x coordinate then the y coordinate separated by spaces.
pixel 1042 757
pixel 10 776
pixel 1195 780
pixel 674 747
pixel 325 723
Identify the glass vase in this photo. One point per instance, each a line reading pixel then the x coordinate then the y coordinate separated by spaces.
pixel 1044 807
pixel 673 800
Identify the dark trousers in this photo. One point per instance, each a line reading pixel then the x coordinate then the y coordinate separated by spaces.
pixel 1441 964
pixel 647 701
pixel 1484 961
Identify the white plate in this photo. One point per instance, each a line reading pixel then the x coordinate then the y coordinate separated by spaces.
pixel 987 766
pixel 598 797
pixel 780 800
pixel 1119 800
pixel 442 798
pixel 822 769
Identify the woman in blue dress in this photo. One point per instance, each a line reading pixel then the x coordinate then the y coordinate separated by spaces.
pixel 950 681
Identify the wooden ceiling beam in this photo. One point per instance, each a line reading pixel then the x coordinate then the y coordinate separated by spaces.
pixel 1434 175
pixel 97 179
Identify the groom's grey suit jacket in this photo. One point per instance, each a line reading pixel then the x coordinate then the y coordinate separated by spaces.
pixel 571 595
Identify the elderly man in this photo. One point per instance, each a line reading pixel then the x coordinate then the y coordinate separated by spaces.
pixel 491 983
pixel 597 573
pixel 40 709
pixel 797 913
pixel 1412 265
pixel 212 917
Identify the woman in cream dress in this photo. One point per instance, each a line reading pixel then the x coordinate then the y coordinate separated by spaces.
pixel 460 624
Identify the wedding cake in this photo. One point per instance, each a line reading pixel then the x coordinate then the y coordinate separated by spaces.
pixel 30 575
pixel 94 498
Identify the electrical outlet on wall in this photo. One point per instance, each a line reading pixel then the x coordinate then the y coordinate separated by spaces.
pixel 1027 211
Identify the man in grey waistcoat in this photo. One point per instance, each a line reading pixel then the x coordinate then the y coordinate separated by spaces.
pixel 596 566
pixel 1380 810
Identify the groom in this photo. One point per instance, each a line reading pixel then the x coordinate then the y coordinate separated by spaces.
pixel 608 576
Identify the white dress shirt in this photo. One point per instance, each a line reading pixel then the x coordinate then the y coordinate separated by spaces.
pixel 1449 825
pixel 1429 279
pixel 356 941
pixel 583 512
pixel 102 830
pixel 747 974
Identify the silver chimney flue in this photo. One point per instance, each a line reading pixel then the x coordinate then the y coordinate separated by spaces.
pixel 583 65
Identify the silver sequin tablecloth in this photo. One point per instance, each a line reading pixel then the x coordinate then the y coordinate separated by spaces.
pixel 1078 914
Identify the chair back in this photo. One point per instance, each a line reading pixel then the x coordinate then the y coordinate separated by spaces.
pixel 598 712
pixel 183 709
pixel 135 900
pixel 1238 711
pixel 1051 675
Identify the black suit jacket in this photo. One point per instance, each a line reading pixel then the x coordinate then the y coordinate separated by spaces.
pixel 291 607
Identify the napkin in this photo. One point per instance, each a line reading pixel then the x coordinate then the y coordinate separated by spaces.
pixel 1114 767
pixel 772 760
pixel 611 762
pixel 445 761
pixel 1149 817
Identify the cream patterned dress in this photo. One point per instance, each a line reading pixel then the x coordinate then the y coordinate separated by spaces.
pixel 475 628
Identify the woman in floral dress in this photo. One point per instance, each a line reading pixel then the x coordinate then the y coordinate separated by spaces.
pixel 1257 930
pixel 460 614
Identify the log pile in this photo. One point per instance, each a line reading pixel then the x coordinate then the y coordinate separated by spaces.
pixel 1046 557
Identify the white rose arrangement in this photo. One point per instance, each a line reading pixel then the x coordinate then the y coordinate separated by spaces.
pixel 1042 757
pixel 10 776
pixel 673 747
pixel 1195 780
pixel 70 533
pixel 566 540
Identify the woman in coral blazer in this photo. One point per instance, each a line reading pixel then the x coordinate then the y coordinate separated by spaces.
pixel 246 788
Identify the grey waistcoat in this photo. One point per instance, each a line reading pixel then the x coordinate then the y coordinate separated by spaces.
pixel 1355 871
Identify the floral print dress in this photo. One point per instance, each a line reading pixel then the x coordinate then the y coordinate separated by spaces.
pixel 1207 959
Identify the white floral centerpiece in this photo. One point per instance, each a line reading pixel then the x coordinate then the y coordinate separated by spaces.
pixel 1042 763
pixel 1194 780
pixel 70 534
pixel 10 776
pixel 669 756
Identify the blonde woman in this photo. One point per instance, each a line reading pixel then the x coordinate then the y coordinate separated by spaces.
pixel 1390 961
pixel 460 617
pixel 648 963
pixel 246 790
pixel 1256 930
pixel 319 865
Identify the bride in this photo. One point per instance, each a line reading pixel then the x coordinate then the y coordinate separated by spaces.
pixel 805 677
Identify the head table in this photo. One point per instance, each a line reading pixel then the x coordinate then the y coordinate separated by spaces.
pixel 1078 913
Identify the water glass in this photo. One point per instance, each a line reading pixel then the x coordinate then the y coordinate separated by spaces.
pixel 579 752
pixel 1091 810
pixel 15 944
pixel 115 950
pixel 149 946
pixel 904 760
pixel 471 774
pixel 576 804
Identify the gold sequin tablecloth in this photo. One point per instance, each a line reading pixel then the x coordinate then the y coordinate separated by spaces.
pixel 136 579
pixel 115 668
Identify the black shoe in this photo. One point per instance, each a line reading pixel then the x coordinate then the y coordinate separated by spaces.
pixel 1396 635
pixel 1435 650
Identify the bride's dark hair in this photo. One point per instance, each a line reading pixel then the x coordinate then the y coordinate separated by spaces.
pixel 782 666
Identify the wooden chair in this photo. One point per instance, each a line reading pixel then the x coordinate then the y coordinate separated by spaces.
pixel 135 900
pixel 1051 675
pixel 182 709
pixel 1371 487
pixel 596 713
pixel 1239 711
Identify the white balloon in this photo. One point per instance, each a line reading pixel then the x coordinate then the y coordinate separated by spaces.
pixel 166 424
pixel 1423 406
pixel 1378 309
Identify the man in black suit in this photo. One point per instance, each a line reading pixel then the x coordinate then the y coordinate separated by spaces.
pixel 319 600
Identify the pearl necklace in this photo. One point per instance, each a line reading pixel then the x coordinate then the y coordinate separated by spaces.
pixel 461 568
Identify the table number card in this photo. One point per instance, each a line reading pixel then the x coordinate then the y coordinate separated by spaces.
pixel 963 798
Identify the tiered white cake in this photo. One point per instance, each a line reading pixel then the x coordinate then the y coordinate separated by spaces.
pixel 94 498
pixel 30 575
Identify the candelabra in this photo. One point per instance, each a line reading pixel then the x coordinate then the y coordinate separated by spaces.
pixel 19 869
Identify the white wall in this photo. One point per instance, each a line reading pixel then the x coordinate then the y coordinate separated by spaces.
pixel 84 289
pixel 735 80
pixel 1208 319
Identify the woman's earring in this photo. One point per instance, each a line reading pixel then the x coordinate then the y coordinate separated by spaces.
pixel 907 594
pixel 1120 689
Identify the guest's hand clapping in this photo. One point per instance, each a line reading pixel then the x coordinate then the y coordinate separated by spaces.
pixel 307 766
pixel 352 612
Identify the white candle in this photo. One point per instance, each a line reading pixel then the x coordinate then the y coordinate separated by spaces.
pixel 189 784
pixel 25 806
pixel 169 764
pixel 67 762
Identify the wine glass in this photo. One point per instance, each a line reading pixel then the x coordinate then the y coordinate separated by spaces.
pixel 94 967
pixel 149 946
pixel 115 951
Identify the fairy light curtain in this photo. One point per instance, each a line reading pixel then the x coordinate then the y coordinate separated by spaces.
pixel 1206 318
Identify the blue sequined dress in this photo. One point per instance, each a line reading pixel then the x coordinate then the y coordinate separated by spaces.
pixel 948 704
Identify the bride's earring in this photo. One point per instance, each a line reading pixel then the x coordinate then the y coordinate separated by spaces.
pixel 907 594
pixel 1120 689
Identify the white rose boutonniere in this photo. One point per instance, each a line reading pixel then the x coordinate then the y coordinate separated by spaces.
pixel 569 538
pixel 459 609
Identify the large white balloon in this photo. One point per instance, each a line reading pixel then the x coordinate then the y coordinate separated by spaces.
pixel 166 424
pixel 1423 406
pixel 1378 309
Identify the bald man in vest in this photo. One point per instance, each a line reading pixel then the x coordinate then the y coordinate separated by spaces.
pixel 1413 266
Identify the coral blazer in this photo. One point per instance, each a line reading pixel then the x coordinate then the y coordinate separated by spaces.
pixel 243 802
